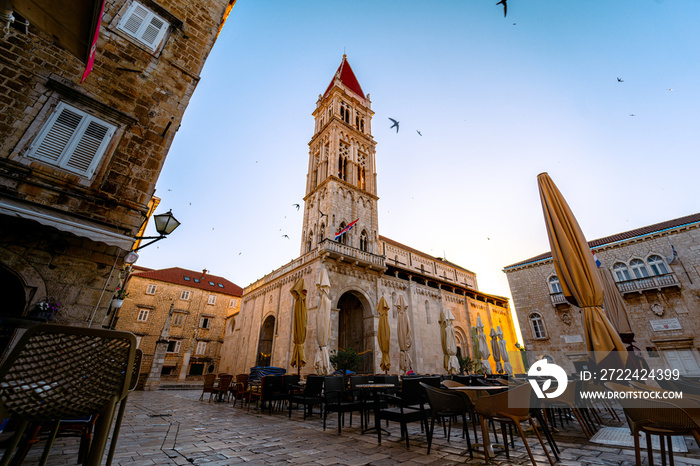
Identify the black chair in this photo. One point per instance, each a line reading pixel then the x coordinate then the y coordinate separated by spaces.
pixel 366 402
pixel 310 396
pixel 337 399
pixel 272 391
pixel 405 407
pixel 444 405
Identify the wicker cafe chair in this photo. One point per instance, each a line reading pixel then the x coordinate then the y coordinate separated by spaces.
pixel 241 389
pixel 223 388
pixel 511 407
pixel 136 370
pixel 446 404
pixel 57 372
pixel 655 417
pixel 208 387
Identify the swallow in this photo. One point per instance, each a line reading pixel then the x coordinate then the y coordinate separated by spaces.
pixel 322 214
pixel 419 133
pixel 396 124
pixel 505 7
pixel 296 205
pixel 285 236
pixel 632 114
pixel 620 80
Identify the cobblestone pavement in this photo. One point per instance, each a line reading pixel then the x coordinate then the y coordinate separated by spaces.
pixel 173 427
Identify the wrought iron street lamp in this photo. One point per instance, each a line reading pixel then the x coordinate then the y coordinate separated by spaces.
pixel 165 224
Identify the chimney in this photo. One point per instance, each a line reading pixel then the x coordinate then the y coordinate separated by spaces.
pixel 204 272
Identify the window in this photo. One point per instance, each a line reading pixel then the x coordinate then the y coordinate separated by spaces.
pixel 143 315
pixel 196 280
pixel 185 295
pixel 322 232
pixel 310 242
pixel 143 25
pixel 363 240
pixel 173 346
pixel 657 264
pixel 205 322
pixel 639 269
pixel 538 329
pixel 187 279
pixel 212 283
pixel 151 289
pixel 233 302
pixel 343 238
pixel 622 274
pixel 201 347
pixel 554 285
pixel 72 140
pixel 178 319
pixel 219 285
pixel 212 299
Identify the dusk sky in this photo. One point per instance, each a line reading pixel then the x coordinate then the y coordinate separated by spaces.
pixel 497 100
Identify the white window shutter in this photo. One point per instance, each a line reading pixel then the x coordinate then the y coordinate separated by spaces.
pixel 134 19
pixel 73 140
pixel 144 25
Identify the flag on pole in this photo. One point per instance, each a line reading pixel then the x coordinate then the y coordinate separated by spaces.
pixel 345 230
pixel 597 262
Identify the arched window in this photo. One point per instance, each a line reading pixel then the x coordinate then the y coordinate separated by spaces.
pixel 343 156
pixel 343 239
pixel 657 264
pixel 622 273
pixel 322 232
pixel 310 242
pixel 538 329
pixel 554 285
pixel 638 268
pixel 363 240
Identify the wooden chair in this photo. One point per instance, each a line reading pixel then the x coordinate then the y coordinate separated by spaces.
pixel 444 404
pixel 222 390
pixel 209 381
pixel 510 407
pixel 58 372
pixel 241 389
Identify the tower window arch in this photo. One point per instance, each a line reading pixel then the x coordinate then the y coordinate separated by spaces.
pixel 622 273
pixel 343 156
pixel 322 232
pixel 638 268
pixel 364 241
pixel 344 238
pixel 345 112
pixel 657 265
pixel 310 242
pixel 537 324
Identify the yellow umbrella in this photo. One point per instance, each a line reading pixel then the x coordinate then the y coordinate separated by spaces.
pixel 405 336
pixel 384 334
pixel 299 324
pixel 579 279
pixel 613 304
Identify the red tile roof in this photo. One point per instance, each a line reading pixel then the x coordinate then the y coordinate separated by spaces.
pixel 347 77
pixel 643 231
pixel 177 275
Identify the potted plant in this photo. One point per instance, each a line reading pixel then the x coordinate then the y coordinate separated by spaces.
pixel 466 364
pixel 46 309
pixel 119 296
pixel 345 360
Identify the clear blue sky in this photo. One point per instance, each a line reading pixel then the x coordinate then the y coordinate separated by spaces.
pixel 498 100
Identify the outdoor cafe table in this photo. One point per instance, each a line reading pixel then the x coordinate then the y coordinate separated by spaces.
pixel 375 388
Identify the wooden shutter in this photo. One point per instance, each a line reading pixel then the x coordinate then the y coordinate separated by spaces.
pixel 73 140
pixel 143 25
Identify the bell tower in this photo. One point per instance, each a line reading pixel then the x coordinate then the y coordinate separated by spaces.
pixel 341 185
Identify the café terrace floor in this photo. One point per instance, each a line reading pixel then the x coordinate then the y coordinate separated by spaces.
pixel 173 427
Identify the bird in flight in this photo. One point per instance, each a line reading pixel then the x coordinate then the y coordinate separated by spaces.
pixel 505 7
pixel 285 236
pixel 396 124
pixel 296 205
pixel 419 133
pixel 322 214
pixel 632 114
pixel 620 80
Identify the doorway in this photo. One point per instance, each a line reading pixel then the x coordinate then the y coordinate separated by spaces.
pixel 12 292
pixel 267 333
pixel 355 324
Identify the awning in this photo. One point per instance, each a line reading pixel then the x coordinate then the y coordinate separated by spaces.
pixel 66 222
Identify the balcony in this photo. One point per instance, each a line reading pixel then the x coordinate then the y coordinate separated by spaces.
pixel 558 299
pixel 350 255
pixel 657 282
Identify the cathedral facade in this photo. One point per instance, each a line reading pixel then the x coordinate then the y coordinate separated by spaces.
pixel 363 266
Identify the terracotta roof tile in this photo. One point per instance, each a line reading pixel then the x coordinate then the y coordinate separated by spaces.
pixel 194 279
pixel 643 231
pixel 347 77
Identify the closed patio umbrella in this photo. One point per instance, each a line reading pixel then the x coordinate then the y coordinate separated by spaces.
pixel 496 349
pixel 507 367
pixel 322 362
pixel 405 336
pixel 384 334
pixel 299 324
pixel 476 354
pixel 483 346
pixel 614 305
pixel 449 342
pixel 578 277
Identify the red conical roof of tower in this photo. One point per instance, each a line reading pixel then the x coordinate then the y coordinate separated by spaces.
pixel 347 77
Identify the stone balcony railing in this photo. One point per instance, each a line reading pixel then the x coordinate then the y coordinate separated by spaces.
pixel 557 299
pixel 657 282
pixel 344 253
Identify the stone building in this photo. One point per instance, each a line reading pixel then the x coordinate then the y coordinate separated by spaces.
pixel 185 311
pixel 657 271
pixel 363 266
pixel 80 154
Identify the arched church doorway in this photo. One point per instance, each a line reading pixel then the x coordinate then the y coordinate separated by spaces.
pixel 12 292
pixel 267 332
pixel 355 327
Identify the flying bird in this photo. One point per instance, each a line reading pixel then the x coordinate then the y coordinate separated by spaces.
pixel 620 80
pixel 396 124
pixel 296 205
pixel 419 133
pixel 505 7
pixel 285 236
pixel 632 114
pixel 322 214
